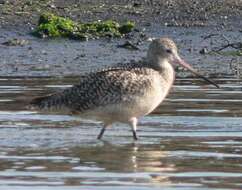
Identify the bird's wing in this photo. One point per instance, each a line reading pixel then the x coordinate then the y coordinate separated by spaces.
pixel 101 88
pixel 108 87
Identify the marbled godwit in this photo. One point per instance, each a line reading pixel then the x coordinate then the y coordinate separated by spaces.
pixel 122 94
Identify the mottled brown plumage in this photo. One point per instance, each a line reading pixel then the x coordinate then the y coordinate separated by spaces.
pixel 123 93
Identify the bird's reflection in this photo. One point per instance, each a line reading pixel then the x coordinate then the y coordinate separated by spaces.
pixel 149 160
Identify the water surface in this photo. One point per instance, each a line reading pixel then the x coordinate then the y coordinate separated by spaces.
pixel 192 141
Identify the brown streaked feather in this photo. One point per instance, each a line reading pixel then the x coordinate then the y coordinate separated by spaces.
pixel 108 86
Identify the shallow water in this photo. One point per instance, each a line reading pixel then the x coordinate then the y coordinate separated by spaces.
pixel 192 141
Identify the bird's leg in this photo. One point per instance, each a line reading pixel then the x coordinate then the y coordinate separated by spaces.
pixel 102 132
pixel 133 123
pixel 135 135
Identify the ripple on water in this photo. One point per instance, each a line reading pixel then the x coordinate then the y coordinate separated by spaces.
pixel 192 141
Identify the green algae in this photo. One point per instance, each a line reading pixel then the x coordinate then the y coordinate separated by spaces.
pixel 51 25
pixel 232 53
pixel 127 27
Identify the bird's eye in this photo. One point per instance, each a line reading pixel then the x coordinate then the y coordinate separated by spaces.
pixel 168 51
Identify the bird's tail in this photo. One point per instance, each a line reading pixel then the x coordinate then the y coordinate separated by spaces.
pixel 52 102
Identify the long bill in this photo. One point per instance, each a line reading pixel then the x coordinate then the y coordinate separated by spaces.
pixel 188 67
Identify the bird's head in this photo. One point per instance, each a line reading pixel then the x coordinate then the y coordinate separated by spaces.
pixel 164 51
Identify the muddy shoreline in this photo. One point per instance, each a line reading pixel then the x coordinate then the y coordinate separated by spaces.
pixel 195 26
pixel 144 12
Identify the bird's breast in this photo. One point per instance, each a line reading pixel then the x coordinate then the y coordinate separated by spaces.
pixel 136 105
pixel 139 104
pixel 152 97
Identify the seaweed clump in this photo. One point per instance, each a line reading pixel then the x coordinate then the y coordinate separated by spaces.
pixel 51 25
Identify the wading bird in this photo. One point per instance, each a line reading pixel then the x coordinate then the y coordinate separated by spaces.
pixel 123 93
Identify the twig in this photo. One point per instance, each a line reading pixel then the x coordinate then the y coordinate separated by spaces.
pixel 209 36
pixel 226 39
pixel 236 45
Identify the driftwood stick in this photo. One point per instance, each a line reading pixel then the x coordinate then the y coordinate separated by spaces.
pixel 236 45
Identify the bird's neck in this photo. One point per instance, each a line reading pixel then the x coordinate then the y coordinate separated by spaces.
pixel 164 68
pixel 167 72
